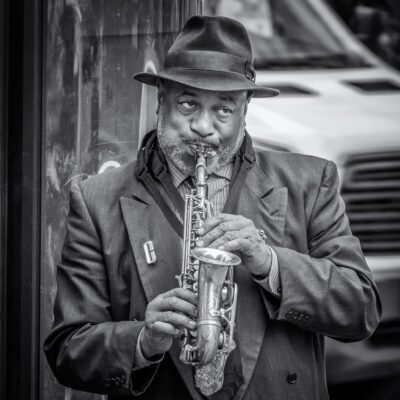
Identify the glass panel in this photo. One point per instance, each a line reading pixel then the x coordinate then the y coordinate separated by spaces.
pixel 95 112
pixel 287 33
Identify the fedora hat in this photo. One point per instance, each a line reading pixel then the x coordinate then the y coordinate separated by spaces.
pixel 210 53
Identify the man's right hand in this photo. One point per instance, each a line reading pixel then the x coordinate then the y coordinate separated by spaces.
pixel 165 316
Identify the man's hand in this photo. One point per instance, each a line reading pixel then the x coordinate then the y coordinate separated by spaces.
pixel 237 233
pixel 165 316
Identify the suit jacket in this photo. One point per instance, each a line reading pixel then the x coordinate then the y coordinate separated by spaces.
pixel 104 285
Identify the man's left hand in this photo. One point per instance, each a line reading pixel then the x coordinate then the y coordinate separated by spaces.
pixel 237 233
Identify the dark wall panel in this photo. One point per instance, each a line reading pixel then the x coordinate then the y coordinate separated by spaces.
pixel 23 137
pixel 3 186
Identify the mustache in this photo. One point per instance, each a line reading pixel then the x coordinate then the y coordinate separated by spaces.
pixel 201 142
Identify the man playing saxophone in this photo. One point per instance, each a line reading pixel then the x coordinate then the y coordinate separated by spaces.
pixel 119 313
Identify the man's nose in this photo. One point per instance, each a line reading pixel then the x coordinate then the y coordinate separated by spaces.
pixel 203 123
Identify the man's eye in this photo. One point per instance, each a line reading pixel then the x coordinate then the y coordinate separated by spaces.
pixel 188 105
pixel 224 111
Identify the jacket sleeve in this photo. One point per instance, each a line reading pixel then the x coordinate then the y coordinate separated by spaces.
pixel 329 290
pixel 85 348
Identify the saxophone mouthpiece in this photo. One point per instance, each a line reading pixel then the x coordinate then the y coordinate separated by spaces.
pixel 205 150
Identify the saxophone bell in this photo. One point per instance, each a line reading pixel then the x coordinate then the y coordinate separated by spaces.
pixel 214 265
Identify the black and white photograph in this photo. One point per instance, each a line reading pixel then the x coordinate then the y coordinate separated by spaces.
pixel 200 200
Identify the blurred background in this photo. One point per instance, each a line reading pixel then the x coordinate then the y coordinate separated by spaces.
pixel 376 23
pixel 69 110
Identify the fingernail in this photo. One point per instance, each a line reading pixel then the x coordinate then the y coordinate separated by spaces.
pixel 221 247
pixel 200 231
pixel 199 243
pixel 192 324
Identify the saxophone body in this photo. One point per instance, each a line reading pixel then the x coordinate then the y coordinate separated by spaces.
pixel 209 273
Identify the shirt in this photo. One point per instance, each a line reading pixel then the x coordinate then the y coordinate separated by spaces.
pixel 217 184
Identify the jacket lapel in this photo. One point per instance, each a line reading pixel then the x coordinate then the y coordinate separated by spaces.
pixel 266 207
pixel 144 222
pixel 264 204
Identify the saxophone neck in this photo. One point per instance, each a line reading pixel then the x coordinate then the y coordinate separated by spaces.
pixel 201 166
pixel 202 153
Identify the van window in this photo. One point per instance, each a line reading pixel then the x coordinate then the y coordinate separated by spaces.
pixel 288 34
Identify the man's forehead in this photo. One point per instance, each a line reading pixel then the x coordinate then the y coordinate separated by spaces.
pixel 180 89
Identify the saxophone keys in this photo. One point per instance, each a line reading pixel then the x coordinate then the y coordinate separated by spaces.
pixel 226 295
pixel 193 333
pixel 221 340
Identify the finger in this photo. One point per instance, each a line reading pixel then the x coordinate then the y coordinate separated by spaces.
pixel 236 224
pixel 226 238
pixel 183 294
pixel 164 328
pixel 245 231
pixel 173 303
pixel 177 320
pixel 212 222
pixel 243 245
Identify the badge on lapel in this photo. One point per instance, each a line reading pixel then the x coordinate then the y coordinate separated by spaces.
pixel 149 252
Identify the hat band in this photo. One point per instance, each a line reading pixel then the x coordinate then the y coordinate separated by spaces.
pixel 211 61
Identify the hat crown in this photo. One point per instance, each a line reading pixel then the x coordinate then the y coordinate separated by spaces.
pixel 210 53
pixel 213 34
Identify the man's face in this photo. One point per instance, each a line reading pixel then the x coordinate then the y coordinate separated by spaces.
pixel 189 116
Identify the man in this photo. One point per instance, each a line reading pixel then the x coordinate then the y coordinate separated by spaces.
pixel 118 310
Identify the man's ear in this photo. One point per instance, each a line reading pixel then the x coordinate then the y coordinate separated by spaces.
pixel 249 96
pixel 160 94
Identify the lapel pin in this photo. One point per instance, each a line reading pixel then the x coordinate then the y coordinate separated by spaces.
pixel 149 252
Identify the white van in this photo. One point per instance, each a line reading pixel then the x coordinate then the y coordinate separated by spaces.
pixel 340 102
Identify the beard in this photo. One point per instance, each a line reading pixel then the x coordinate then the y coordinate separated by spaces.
pixel 177 151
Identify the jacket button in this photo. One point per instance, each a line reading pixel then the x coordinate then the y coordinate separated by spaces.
pixel 108 382
pixel 289 314
pixel 117 381
pixel 291 377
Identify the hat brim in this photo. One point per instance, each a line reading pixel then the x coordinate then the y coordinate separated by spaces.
pixel 218 81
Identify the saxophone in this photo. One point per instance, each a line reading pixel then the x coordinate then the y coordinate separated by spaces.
pixel 209 273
